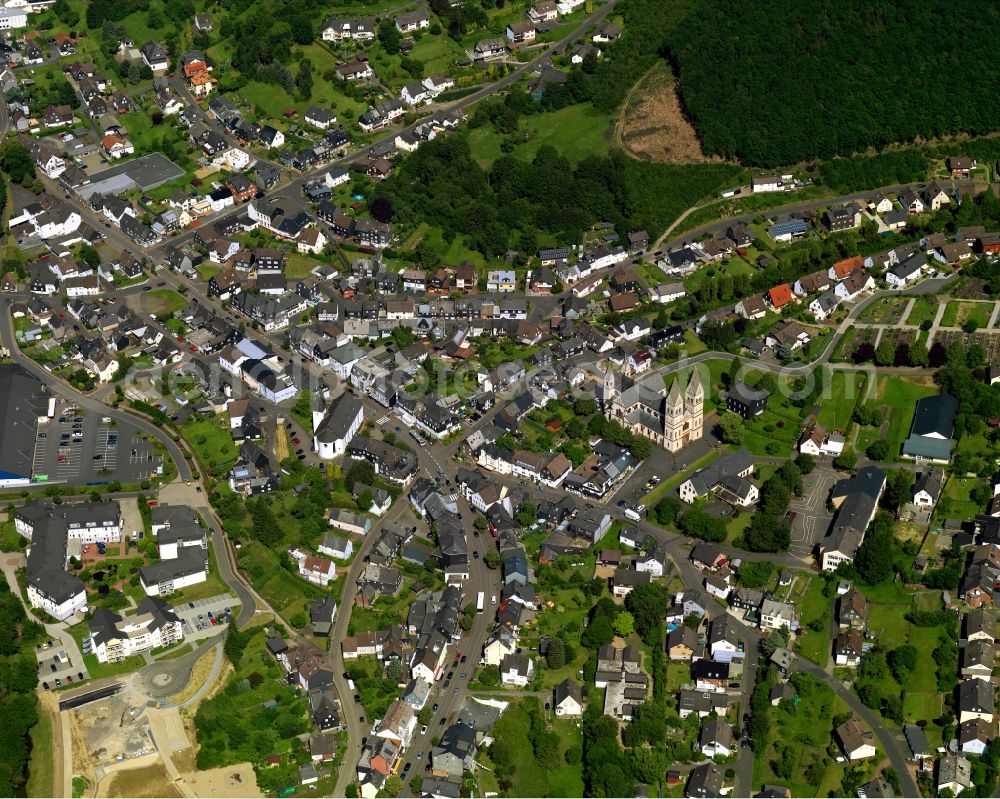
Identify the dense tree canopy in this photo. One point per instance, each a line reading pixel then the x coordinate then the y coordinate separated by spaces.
pixel 802 81
pixel 443 185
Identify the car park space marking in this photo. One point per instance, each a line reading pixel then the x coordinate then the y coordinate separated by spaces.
pixel 108 454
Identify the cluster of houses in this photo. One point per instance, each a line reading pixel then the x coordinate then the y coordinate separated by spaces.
pixel 307 669
pixel 57 533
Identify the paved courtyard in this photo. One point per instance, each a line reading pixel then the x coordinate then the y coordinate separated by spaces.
pixel 812 519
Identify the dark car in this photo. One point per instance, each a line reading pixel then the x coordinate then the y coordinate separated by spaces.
pixel 145 288
pixel 45 685
pixel 79 675
pixel 357 699
pixel 52 666
pixel 475 554
pixel 435 708
pixel 464 658
pixel 347 676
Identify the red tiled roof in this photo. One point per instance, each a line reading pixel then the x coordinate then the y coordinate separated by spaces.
pixel 780 295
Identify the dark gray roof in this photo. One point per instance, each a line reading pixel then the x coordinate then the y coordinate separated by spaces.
pixel 339 416
pixel 185 564
pixel 935 415
pixel 22 401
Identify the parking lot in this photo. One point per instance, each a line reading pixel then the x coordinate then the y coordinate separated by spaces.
pixel 83 448
pixel 55 667
pixel 197 616
pixel 812 519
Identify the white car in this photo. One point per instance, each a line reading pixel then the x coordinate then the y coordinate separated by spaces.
pixel 423 730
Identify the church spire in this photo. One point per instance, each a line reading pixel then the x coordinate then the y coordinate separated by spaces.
pixel 610 390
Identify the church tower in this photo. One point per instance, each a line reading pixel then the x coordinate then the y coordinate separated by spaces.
pixel 694 406
pixel 610 390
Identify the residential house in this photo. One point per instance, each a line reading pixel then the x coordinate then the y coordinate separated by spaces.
pixel 856 742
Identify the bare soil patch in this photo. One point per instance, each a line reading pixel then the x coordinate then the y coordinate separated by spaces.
pixel 653 126
pixel 150 781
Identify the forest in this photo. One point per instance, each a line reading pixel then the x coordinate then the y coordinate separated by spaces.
pixel 792 82
pixel 18 679
pixel 443 185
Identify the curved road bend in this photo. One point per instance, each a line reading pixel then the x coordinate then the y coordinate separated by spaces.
pixel 720 225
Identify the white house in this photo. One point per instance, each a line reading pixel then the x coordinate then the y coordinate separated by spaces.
pixel 517 670
pixel 334 428
pixel 319 571
pixel 336 546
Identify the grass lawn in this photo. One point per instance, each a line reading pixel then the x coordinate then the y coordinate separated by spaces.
pixel 774 432
pixel 576 131
pixel 212 587
pixel 212 443
pixel 661 491
pixel 298 265
pixel 958 313
pixel 41 768
pixel 692 344
pixel 924 309
pixel 922 698
pixel 898 397
pixel 98 670
pixel 207 270
pixel 164 301
pixel 955 500
pixel 841 396
pixel 815 646
pixel 437 53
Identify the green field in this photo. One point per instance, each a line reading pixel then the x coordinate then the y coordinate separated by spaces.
pixel 956 502
pixel 41 768
pixel 841 395
pixel 576 131
pixel 897 398
pixel 164 302
pixel 212 443
pixel 813 605
pixel 957 313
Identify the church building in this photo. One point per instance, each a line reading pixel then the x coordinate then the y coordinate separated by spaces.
pixel 671 418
